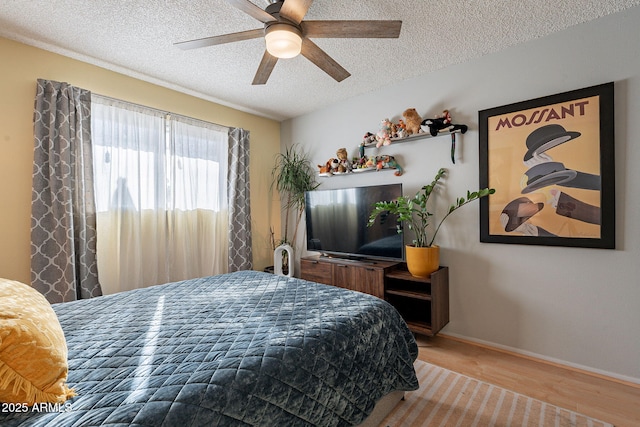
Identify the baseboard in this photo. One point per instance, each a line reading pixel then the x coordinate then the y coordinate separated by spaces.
pixel 606 375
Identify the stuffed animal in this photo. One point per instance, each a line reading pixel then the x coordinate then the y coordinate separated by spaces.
pixel 334 163
pixel 412 121
pixel 360 163
pixel 400 129
pixel 445 117
pixel 344 165
pixel 368 139
pixel 371 162
pixel 329 168
pixel 324 169
pixel 384 134
pixel 388 162
pixel 442 123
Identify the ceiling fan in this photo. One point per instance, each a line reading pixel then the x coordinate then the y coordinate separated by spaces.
pixel 287 35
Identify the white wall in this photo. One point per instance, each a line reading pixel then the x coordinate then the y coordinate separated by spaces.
pixel 572 305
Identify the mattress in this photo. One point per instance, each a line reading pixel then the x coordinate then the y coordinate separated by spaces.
pixel 239 349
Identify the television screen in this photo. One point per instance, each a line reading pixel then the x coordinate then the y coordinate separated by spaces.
pixel 337 223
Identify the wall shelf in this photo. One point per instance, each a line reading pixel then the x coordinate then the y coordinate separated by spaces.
pixel 394 141
pixel 424 135
pixel 414 138
pixel 359 171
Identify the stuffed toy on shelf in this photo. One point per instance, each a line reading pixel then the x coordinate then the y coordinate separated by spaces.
pixel 412 121
pixel 388 162
pixel 329 168
pixel 383 137
pixel 441 123
pixel 400 130
pixel 344 165
pixel 368 139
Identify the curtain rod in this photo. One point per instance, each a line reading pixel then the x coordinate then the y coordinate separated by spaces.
pixel 157 110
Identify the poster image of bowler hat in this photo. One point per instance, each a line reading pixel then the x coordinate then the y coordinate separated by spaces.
pixel 547 137
pixel 546 174
pixel 519 211
pixel 554 173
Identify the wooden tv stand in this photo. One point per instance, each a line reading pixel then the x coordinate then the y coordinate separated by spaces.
pixel 422 302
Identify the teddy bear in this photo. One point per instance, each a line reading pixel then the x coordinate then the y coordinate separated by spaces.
pixel 442 122
pixel 384 134
pixel 344 165
pixel 412 121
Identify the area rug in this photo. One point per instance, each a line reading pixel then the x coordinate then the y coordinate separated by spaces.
pixel 446 398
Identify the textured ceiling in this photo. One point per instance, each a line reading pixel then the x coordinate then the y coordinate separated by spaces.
pixel 136 37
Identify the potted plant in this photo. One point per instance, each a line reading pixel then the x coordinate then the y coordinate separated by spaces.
pixel 423 256
pixel 292 175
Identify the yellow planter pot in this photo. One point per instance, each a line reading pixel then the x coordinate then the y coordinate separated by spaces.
pixel 421 262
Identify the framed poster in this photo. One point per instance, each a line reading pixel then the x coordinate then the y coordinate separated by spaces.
pixel 551 162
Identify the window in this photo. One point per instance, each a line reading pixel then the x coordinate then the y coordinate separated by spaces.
pixel 161 198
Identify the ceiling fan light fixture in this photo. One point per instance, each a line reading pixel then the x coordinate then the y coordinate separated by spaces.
pixel 283 40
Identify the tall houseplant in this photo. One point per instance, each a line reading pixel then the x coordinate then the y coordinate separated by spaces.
pixel 292 175
pixel 415 214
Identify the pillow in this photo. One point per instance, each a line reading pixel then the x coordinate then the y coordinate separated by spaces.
pixel 33 350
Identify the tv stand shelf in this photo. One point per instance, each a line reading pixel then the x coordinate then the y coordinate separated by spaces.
pixel 422 302
pixel 409 294
pixel 363 276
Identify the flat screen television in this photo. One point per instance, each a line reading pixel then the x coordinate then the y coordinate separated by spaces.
pixel 337 223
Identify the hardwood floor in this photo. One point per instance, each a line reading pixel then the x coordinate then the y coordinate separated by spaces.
pixel 612 401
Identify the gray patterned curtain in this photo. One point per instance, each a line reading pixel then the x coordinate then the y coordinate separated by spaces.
pixel 240 256
pixel 63 216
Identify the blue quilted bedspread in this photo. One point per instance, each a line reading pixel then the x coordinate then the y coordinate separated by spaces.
pixel 240 349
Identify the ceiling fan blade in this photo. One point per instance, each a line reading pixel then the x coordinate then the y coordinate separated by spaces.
pixel 251 9
pixel 264 69
pixel 352 29
pixel 226 38
pixel 313 53
pixel 295 10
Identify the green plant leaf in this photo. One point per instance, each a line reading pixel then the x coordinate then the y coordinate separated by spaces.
pixel 413 212
pixel 292 176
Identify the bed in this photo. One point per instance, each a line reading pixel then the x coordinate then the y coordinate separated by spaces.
pixel 239 349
